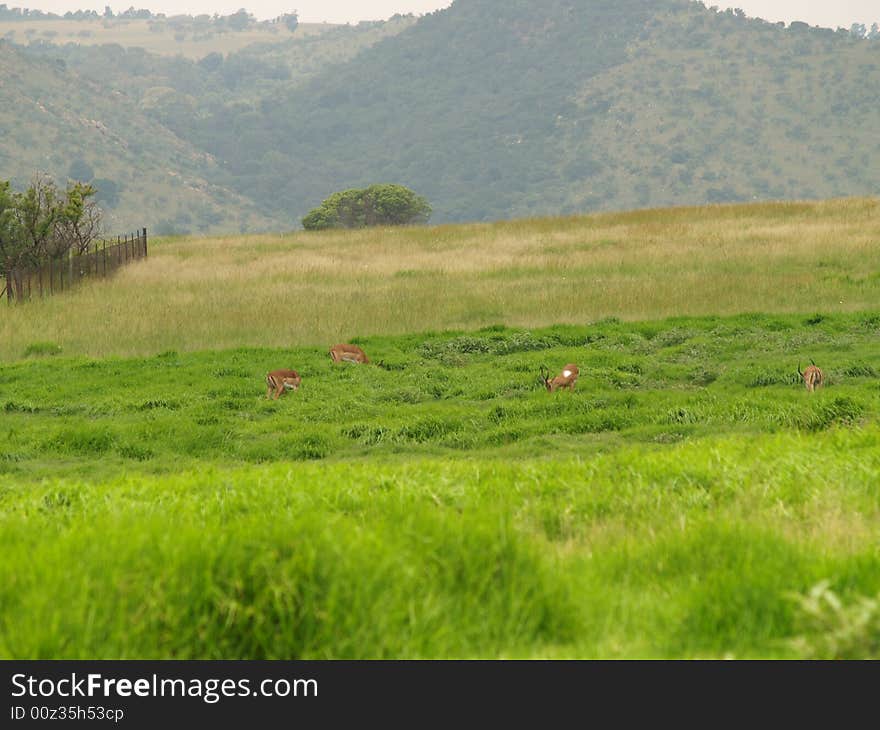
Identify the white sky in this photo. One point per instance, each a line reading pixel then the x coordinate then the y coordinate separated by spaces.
pixel 826 13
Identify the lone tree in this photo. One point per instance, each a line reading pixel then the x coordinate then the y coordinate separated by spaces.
pixel 377 205
pixel 291 20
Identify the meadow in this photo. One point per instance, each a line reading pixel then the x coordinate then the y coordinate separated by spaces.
pixel 314 289
pixel 154 36
pixel 688 499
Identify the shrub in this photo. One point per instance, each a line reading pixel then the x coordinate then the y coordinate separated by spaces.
pixel 860 370
pixel 839 412
pixel 42 349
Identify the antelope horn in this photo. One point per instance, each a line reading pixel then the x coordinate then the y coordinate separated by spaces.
pixel 799 370
pixel 812 361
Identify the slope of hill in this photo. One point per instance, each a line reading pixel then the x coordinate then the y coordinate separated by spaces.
pixel 498 110
pixel 462 107
pixel 714 108
pixel 54 119
pixel 218 76
pixel 171 93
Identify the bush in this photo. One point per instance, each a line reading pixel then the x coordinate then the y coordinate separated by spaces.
pixel 42 349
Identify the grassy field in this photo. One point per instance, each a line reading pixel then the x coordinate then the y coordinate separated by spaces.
pixel 316 289
pixel 689 499
pixel 153 36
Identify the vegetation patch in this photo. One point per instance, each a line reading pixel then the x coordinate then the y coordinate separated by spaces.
pixel 42 349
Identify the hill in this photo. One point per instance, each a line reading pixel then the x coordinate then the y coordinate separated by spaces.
pixel 63 123
pixel 166 95
pixel 179 35
pixel 495 110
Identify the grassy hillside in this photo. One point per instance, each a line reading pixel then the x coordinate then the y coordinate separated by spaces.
pixel 716 108
pixel 313 289
pixel 52 118
pixel 157 99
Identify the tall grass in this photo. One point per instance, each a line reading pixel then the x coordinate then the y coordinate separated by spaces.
pixel 315 289
pixel 694 551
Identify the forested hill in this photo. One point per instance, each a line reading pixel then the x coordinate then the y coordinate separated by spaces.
pixel 464 107
pixel 507 108
pixel 498 109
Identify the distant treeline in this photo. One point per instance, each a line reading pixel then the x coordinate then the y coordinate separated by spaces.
pixel 7 13
pixel 235 21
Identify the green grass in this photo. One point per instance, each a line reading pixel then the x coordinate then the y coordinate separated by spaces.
pixel 444 394
pixel 689 499
pixel 692 551
pixel 443 504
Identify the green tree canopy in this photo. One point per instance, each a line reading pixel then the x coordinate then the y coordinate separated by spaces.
pixel 44 222
pixel 377 205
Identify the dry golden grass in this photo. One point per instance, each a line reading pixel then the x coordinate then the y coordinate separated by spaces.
pixel 315 289
pixel 137 33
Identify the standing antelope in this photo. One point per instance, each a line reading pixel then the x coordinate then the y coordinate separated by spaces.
pixel 566 379
pixel 280 381
pixel 349 353
pixel 813 377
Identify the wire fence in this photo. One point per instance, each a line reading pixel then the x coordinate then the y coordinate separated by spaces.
pixel 57 275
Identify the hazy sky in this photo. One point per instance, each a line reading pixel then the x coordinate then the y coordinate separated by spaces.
pixel 827 13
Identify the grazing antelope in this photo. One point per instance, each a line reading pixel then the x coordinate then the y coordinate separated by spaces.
pixel 348 353
pixel 280 381
pixel 566 379
pixel 813 376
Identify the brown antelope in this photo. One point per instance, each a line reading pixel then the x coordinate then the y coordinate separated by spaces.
pixel 348 353
pixel 280 381
pixel 566 379
pixel 813 377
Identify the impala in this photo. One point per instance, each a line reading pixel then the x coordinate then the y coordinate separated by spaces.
pixel 566 379
pixel 280 381
pixel 813 377
pixel 348 353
